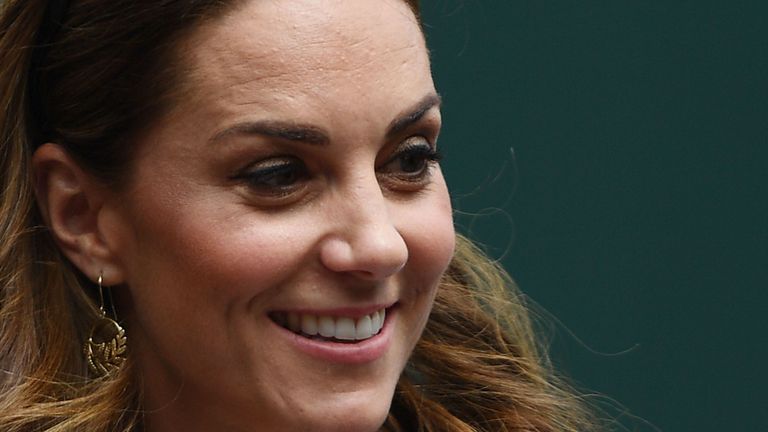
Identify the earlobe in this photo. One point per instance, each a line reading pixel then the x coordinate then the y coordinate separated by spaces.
pixel 70 200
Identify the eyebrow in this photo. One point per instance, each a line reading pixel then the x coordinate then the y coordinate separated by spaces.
pixel 310 134
pixel 277 129
pixel 413 115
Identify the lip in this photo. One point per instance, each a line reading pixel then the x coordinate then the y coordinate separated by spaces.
pixel 361 352
pixel 349 312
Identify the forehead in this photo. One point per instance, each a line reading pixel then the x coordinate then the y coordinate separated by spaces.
pixel 292 55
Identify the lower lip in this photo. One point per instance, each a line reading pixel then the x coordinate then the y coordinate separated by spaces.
pixel 364 351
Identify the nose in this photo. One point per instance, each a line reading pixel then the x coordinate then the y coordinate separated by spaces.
pixel 364 240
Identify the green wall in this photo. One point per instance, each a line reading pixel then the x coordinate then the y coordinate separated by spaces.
pixel 634 208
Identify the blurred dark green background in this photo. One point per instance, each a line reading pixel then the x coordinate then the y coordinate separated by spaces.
pixel 633 206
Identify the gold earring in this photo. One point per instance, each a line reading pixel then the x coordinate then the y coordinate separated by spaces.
pixel 106 347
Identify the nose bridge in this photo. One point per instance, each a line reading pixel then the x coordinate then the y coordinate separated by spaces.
pixel 366 239
pixel 365 202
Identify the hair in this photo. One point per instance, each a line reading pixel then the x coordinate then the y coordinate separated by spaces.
pixel 75 73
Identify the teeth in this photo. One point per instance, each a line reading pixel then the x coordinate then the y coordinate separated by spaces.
pixel 326 326
pixel 309 324
pixel 341 328
pixel 294 321
pixel 345 329
pixel 364 328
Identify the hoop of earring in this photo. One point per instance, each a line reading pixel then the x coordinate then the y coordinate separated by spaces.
pixel 106 348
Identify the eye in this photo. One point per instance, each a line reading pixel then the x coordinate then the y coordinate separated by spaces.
pixel 277 176
pixel 411 163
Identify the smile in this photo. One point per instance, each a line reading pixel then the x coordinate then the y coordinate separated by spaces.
pixel 332 328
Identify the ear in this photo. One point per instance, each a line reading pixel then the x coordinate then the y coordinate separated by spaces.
pixel 71 202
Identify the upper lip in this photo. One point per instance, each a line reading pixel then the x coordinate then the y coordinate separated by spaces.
pixel 345 311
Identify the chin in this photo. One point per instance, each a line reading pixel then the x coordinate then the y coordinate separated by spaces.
pixel 351 412
pixel 350 423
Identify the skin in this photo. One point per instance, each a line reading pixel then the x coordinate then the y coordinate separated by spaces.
pixel 203 247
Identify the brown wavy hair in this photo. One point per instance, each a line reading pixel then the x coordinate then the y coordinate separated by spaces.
pixel 75 73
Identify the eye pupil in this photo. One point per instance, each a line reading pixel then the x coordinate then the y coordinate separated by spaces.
pixel 409 168
pixel 283 177
pixel 411 163
pixel 276 175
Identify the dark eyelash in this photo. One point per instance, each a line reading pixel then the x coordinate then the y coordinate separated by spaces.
pixel 411 166
pixel 269 170
pixel 261 176
pixel 429 153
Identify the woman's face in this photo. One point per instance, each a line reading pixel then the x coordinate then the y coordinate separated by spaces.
pixel 290 191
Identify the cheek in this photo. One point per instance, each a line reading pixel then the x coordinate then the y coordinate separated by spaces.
pixel 200 277
pixel 194 261
pixel 436 227
pixel 429 232
pixel 219 260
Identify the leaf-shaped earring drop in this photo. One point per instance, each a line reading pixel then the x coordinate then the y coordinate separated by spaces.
pixel 106 346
